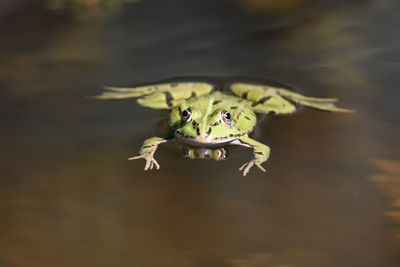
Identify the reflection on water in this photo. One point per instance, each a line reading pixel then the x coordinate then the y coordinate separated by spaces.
pixel 88 9
pixel 69 197
pixel 389 180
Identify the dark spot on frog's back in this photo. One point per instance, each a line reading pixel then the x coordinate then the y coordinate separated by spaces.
pixel 264 99
pixel 247 117
pixel 216 102
pixel 261 101
pixel 169 98
pixel 245 94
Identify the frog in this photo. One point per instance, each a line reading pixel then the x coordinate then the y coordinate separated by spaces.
pixel 206 118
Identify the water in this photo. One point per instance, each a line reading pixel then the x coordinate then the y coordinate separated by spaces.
pixel 69 197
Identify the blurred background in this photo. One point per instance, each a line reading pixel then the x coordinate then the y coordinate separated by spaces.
pixel 69 197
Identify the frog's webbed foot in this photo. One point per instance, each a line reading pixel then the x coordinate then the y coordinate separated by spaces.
pixel 246 167
pixel 150 161
pixel 147 151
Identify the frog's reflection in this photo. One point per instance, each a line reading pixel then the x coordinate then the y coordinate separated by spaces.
pixel 204 153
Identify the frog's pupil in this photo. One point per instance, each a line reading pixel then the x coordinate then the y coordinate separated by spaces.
pixel 186 113
pixel 228 116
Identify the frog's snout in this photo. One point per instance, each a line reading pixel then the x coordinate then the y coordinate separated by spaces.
pixel 205 134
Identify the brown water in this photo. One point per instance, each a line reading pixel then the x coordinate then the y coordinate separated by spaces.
pixel 69 197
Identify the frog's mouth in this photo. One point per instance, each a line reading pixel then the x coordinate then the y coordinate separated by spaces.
pixel 204 142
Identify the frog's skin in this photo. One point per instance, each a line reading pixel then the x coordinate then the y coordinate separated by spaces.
pixel 208 119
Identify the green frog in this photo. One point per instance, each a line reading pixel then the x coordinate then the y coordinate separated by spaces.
pixel 207 119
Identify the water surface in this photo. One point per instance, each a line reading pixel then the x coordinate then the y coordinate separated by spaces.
pixel 69 197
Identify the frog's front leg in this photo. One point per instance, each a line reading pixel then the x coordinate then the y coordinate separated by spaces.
pixel 260 153
pixel 147 151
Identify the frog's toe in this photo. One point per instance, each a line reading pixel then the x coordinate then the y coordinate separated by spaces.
pixel 150 163
pixel 137 157
pixel 154 163
pixel 259 166
pixel 247 166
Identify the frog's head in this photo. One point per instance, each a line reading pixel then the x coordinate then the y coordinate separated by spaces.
pixel 209 128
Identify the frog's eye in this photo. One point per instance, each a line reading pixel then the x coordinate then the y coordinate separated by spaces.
pixel 187 114
pixel 226 117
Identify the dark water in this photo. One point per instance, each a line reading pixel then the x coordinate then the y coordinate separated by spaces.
pixel 69 197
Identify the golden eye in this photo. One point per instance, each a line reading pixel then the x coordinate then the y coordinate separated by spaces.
pixel 226 117
pixel 187 114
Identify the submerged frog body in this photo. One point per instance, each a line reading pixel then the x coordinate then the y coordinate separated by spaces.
pixel 207 120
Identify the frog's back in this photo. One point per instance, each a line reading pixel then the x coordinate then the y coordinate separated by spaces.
pixel 219 100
